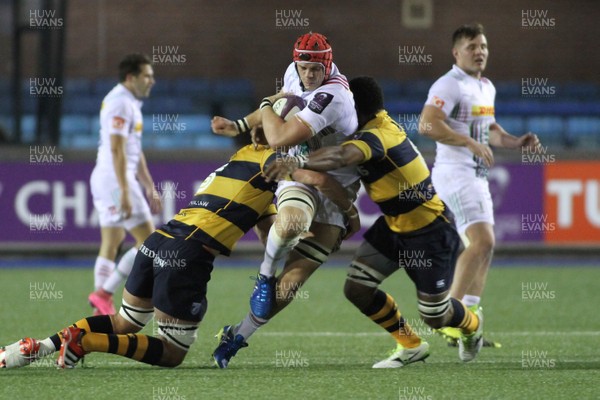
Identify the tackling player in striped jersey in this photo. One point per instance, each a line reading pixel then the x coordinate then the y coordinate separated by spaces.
pixel 415 232
pixel 171 270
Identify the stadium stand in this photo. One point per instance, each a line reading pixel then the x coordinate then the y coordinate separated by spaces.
pixel 569 118
pixel 550 129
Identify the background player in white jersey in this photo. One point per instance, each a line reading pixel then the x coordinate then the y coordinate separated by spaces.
pixel 459 116
pixel 121 184
pixel 327 120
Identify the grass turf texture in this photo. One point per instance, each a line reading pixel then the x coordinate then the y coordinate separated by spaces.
pixel 321 347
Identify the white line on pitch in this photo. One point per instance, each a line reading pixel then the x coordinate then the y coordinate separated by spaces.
pixel 360 334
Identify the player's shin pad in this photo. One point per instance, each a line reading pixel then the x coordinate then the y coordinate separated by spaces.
pixel 136 315
pixel 180 335
pixel 363 274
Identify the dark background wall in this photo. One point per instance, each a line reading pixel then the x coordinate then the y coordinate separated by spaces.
pixel 233 38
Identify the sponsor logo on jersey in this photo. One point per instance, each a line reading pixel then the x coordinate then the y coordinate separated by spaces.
pixel 439 103
pixel 482 111
pixel 118 123
pixel 138 127
pixel 319 102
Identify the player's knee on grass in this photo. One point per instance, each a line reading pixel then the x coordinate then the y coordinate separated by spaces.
pixel 435 309
pixel 178 338
pixel 172 355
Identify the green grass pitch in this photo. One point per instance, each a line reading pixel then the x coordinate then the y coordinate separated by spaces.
pixel 321 347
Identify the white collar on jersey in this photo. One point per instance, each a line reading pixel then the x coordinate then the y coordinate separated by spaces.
pixel 129 94
pixel 461 72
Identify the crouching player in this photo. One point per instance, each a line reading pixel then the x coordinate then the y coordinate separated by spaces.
pixel 415 223
pixel 171 271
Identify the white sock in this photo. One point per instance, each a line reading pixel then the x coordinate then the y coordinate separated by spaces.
pixel 276 252
pixel 121 272
pixel 249 325
pixel 47 347
pixel 102 270
pixel 470 300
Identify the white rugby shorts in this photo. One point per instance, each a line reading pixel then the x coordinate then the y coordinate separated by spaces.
pixel 107 200
pixel 467 196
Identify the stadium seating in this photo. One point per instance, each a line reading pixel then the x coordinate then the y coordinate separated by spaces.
pixel 195 88
pixel 28 123
pixel 584 131
pixel 234 89
pixel 579 91
pixel 550 129
pixel 78 87
pixel 102 86
pixel 95 125
pixel 168 105
pixel 84 142
pixel 417 90
pixel 213 142
pixel 196 124
pixel 392 89
pixel 512 123
pixel 73 126
pixel 236 109
pixel 86 105
pixel 568 118
pixel 508 90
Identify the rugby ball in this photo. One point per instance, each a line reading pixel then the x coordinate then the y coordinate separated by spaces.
pixel 288 105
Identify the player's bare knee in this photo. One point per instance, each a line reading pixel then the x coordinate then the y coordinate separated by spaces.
pixel 435 310
pixel 131 317
pixel 291 222
pixel 172 355
pixel 362 281
pixel 482 241
pixel 296 208
pixel 121 325
pixel 358 294
pixel 177 336
pixel 484 246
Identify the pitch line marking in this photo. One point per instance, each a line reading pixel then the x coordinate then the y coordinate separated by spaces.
pixel 361 334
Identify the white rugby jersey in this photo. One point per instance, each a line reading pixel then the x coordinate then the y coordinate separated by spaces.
pixel 120 114
pixel 468 103
pixel 330 114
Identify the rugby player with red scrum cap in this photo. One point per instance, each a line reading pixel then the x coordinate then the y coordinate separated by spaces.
pixel 328 119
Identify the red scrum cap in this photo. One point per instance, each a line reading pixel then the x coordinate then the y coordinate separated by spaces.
pixel 314 47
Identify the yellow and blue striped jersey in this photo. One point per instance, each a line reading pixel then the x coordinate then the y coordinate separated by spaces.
pixel 396 176
pixel 228 203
